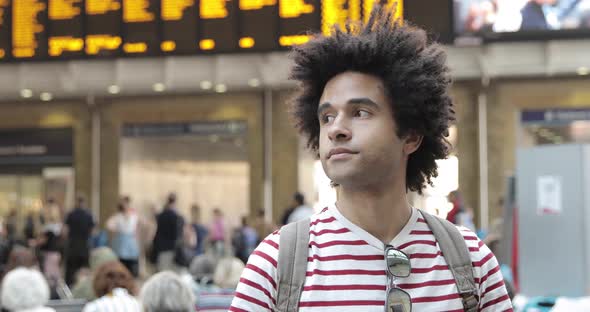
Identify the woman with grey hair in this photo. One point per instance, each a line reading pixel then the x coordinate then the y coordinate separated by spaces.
pixel 25 290
pixel 167 292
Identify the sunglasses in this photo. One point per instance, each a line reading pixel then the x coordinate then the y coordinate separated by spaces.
pixel 398 265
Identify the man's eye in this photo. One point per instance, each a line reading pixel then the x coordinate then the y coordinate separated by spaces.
pixel 327 118
pixel 362 113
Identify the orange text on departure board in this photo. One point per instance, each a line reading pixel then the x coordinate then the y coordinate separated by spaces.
pixel 96 43
pixel 25 26
pixel 338 12
pixel 294 8
pixel 248 5
pixel 399 10
pixel 173 10
pixel 136 11
pixel 287 41
pixel 98 7
pixel 57 45
pixel 213 9
pixel 3 7
pixel 63 9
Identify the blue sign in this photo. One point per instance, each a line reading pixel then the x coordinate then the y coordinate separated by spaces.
pixel 234 127
pixel 554 116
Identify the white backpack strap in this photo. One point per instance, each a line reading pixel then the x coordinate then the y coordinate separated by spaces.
pixel 292 264
pixel 455 251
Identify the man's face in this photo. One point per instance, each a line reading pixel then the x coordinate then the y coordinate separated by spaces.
pixel 358 143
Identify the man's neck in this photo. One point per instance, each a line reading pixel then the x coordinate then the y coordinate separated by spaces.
pixel 381 212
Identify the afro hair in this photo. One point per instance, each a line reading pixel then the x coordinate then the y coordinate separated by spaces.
pixel 412 69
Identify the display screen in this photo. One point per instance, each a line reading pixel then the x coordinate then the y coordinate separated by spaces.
pixel 493 18
pixel 66 29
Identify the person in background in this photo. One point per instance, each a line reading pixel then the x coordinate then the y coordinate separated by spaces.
pixel 83 289
pixel 170 229
pixel 199 229
pixel 301 211
pixel 25 290
pixel 115 287
pixel 20 256
pixel 10 225
pixel 79 224
pixel 244 240
pixel 456 200
pixel 201 270
pixel 218 297
pixel 262 227
pixel 166 291
pixel 32 228
pixel 123 226
pixel 286 214
pixel 217 232
pixel 533 15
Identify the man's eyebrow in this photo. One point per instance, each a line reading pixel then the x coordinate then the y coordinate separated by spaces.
pixel 324 106
pixel 354 101
pixel 363 101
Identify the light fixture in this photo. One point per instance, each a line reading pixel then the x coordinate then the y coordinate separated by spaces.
pixel 206 85
pixel 45 96
pixel 583 71
pixel 159 87
pixel 114 89
pixel 220 88
pixel 254 82
pixel 26 93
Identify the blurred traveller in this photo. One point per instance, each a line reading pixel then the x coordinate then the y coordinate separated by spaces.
pixel 199 229
pixel 263 228
pixel 115 287
pixel 218 233
pixel 301 211
pixel 218 296
pixel 20 256
pixel 244 240
pixel 533 15
pixel 123 226
pixel 83 289
pixel 374 105
pixel 456 201
pixel 78 228
pixel 169 232
pixel 25 290
pixel 166 291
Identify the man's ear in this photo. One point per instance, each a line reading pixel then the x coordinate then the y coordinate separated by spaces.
pixel 412 142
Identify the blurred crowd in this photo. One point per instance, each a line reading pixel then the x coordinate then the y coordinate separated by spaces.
pixel 181 265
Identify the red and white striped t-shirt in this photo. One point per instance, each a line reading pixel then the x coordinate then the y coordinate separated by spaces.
pixel 346 270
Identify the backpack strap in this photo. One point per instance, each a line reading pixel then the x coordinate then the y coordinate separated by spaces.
pixel 292 264
pixel 455 251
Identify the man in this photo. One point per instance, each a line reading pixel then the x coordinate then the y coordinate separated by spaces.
pixel 374 103
pixel 78 227
pixel 169 230
pixel 301 211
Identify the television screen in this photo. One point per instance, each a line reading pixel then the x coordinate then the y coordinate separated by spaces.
pixel 493 18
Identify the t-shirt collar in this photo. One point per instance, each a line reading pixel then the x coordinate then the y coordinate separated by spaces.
pixel 399 239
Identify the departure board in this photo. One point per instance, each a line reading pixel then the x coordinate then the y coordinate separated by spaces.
pixel 297 18
pixel 69 29
pixel 103 27
pixel 4 29
pixel 179 26
pixel 259 24
pixel 140 35
pixel 29 33
pixel 65 28
pixel 219 27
